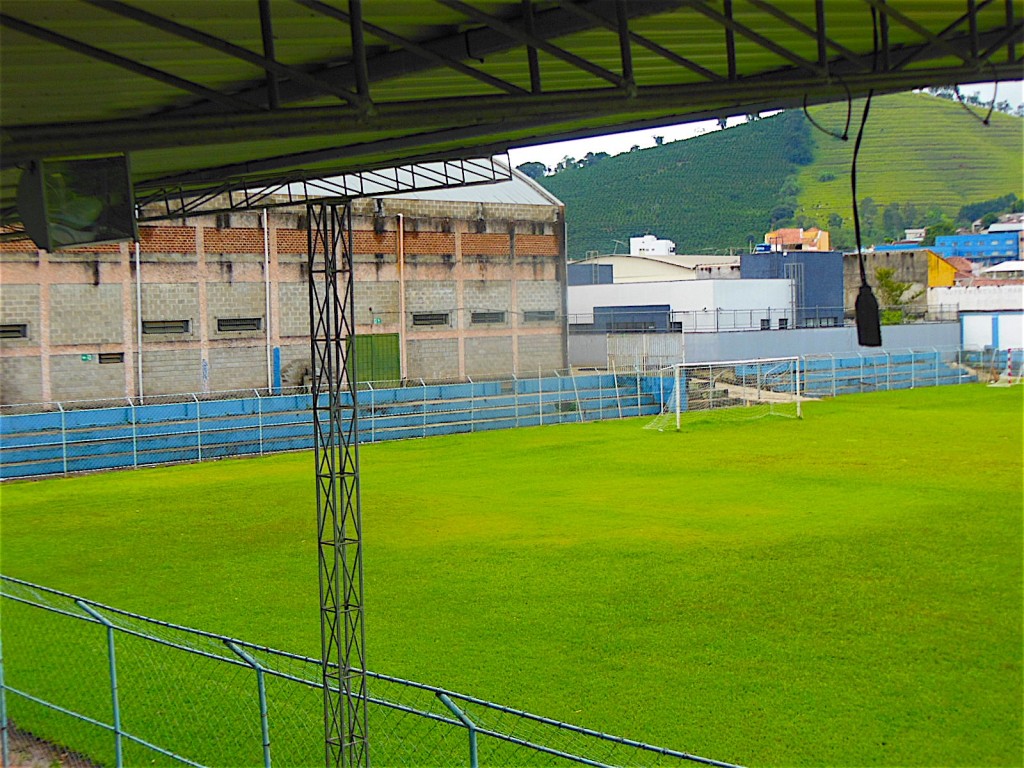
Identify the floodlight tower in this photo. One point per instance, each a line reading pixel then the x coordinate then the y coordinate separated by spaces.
pixel 336 452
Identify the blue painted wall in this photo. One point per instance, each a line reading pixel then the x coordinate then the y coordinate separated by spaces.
pixel 823 280
pixel 590 274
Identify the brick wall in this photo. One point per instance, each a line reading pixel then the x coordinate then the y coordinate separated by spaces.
pixel 540 353
pixel 237 367
pixel 235 300
pixel 171 301
pixel 170 371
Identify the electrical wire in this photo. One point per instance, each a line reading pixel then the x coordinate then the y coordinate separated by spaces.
pixel 845 135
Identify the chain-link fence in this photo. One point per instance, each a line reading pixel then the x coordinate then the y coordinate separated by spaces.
pixel 113 688
pixel 62 438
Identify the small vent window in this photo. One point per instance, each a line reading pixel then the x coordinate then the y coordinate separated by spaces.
pixel 111 357
pixel 539 315
pixel 165 326
pixel 229 324
pixel 485 318
pixel 766 324
pixel 430 318
pixel 783 323
pixel 14 331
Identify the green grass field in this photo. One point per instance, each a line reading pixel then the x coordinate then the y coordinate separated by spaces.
pixel 841 590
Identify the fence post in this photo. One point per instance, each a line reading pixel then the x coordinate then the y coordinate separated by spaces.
pixel 259 416
pixel 576 392
pixel 470 726
pixel 63 439
pixel 424 406
pixel 199 430
pixel 373 412
pixel 112 660
pixel 262 688
pixel 540 397
pixel 135 436
pixel 5 752
pixel 472 404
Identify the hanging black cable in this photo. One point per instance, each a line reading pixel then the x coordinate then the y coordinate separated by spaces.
pixel 869 323
pixel 845 135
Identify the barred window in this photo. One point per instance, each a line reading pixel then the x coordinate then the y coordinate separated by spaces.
pixel 14 331
pixel 539 315
pixel 486 318
pixel 166 326
pixel 229 324
pixel 430 318
pixel 111 357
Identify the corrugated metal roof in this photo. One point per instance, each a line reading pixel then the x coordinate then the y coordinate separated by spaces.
pixel 205 95
pixel 520 190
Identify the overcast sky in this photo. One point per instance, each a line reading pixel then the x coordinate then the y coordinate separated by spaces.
pixel 613 144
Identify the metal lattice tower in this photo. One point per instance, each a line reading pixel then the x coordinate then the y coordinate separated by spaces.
pixel 336 450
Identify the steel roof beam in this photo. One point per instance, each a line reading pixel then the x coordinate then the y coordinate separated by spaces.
pixel 625 52
pixel 888 12
pixel 267 30
pixel 819 34
pixel 731 25
pixel 230 49
pixel 419 50
pixel 21 143
pixel 532 60
pixel 513 31
pixel 474 43
pixel 941 39
pixel 597 18
pixel 231 102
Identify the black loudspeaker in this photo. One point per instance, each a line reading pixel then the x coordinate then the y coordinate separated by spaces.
pixel 77 201
pixel 869 322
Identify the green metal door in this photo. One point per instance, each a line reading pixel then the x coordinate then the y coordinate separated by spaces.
pixel 377 358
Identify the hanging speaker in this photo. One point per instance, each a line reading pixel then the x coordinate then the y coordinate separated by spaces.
pixel 77 201
pixel 869 322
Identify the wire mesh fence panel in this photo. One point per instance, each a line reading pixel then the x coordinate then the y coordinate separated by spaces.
pixel 186 697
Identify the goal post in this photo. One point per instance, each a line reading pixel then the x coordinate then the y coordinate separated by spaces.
pixel 729 390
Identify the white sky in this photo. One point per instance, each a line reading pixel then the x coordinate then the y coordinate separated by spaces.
pixel 614 144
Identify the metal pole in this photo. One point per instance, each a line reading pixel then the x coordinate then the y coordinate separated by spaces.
pixel 474 760
pixel 199 429
pixel 336 455
pixel 5 751
pixel 540 397
pixel 259 415
pixel 138 318
pixel 266 285
pixel 261 687
pixel 135 437
pixel 63 439
pixel 112 660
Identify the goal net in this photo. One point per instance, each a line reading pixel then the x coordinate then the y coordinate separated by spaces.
pixel 731 390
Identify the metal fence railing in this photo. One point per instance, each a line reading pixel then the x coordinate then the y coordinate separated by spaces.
pixel 64 438
pixel 122 689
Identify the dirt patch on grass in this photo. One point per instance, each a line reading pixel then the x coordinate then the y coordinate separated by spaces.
pixel 28 751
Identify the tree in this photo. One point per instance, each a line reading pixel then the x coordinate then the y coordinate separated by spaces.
pixel 534 170
pixel 892 294
pixel 835 221
pixel 944 227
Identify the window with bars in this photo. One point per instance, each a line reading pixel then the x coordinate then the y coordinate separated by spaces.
pixel 14 331
pixel 106 358
pixel 166 326
pixel 429 318
pixel 538 315
pixel 487 318
pixel 230 324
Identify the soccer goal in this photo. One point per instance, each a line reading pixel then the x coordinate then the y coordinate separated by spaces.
pixel 731 390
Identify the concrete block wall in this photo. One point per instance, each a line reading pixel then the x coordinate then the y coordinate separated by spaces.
pixel 86 314
pixel 433 358
pixel 456 258
pixel 544 353
pixel 489 355
pixel 84 377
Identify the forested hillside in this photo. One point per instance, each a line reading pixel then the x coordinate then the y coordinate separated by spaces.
pixel 923 160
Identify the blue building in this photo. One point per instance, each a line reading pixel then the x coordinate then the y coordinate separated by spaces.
pixel 817 282
pixel 985 248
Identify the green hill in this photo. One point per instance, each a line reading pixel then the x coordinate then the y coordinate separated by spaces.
pixel 918 150
pixel 718 191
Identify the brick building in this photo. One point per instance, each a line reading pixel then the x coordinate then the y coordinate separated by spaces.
pixel 453 284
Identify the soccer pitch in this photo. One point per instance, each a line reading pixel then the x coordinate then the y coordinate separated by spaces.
pixel 844 589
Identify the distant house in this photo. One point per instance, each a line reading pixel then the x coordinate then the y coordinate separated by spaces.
pixel 798 239
pixel 923 268
pixel 649 260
